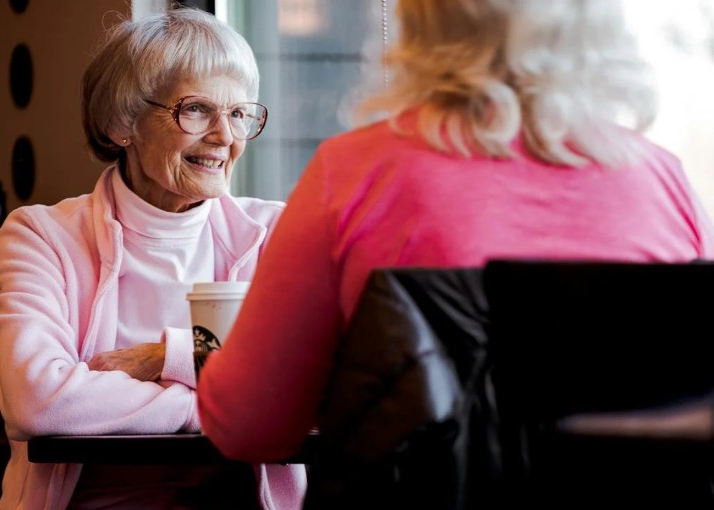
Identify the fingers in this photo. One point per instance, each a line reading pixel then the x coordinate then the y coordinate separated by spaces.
pixel 143 362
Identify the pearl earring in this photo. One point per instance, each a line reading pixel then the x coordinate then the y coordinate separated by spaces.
pixel 123 141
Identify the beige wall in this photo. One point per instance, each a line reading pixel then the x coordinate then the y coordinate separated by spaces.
pixel 60 36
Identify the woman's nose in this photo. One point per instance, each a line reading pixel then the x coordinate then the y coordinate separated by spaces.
pixel 222 130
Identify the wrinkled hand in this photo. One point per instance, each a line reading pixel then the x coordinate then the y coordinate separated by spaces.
pixel 144 361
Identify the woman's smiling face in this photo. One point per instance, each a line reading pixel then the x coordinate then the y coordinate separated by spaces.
pixel 174 170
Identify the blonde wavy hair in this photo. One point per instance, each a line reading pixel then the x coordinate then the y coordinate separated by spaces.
pixel 566 74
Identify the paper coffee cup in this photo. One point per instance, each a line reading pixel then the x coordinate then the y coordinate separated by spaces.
pixel 214 308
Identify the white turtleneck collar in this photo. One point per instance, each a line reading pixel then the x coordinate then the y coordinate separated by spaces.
pixel 164 254
pixel 151 222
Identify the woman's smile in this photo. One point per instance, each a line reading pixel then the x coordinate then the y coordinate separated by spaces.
pixel 207 164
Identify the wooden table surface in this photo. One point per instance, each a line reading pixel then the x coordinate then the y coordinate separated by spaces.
pixel 182 448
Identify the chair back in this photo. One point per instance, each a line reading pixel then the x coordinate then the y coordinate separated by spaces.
pixel 572 339
pixel 450 386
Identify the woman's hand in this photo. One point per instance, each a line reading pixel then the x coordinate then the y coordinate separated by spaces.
pixel 144 361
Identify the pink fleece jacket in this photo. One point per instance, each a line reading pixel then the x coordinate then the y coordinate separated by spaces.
pixel 58 307
pixel 371 198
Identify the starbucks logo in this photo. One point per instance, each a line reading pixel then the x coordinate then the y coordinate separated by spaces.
pixel 204 341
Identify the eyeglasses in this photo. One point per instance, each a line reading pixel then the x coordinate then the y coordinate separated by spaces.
pixel 195 115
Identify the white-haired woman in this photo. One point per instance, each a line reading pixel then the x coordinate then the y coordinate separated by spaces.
pixel 96 334
pixel 502 140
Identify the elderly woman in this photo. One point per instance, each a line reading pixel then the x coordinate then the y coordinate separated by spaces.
pixel 96 334
pixel 502 140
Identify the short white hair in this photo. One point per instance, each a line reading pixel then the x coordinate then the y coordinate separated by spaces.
pixel 142 57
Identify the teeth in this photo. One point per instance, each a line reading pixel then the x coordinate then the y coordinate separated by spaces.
pixel 210 163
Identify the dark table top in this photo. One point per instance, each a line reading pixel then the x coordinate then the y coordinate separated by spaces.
pixel 182 448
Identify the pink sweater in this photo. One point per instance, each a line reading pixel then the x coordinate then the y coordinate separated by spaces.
pixel 58 307
pixel 371 198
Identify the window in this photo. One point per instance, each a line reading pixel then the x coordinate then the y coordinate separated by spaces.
pixel 310 54
pixel 678 40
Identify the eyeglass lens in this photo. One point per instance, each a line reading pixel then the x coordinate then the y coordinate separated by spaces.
pixel 197 115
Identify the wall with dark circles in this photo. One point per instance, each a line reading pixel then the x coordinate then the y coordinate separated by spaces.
pixel 44 48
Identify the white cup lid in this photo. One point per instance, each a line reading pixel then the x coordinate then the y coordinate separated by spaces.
pixel 218 290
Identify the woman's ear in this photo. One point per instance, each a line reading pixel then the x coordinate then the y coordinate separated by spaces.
pixel 121 140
